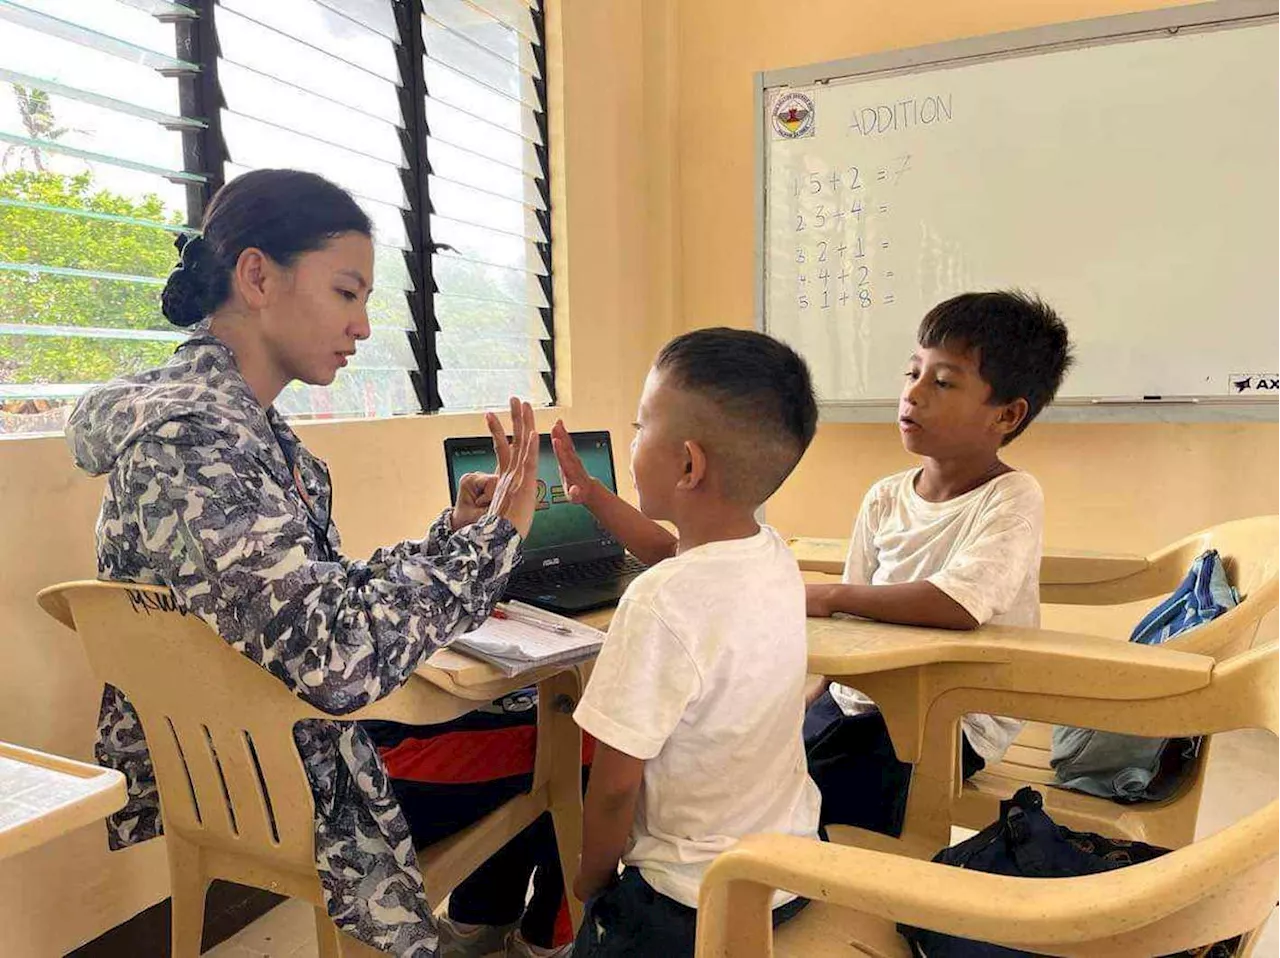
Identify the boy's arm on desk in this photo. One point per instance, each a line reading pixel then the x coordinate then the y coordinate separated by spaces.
pixel 907 603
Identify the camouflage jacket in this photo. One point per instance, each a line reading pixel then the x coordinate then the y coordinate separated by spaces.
pixel 202 496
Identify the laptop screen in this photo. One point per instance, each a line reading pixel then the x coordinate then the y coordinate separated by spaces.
pixel 561 532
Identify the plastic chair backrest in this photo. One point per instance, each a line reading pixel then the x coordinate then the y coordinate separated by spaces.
pixel 1249 550
pixel 218 727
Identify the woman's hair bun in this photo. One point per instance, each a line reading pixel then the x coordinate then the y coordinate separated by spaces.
pixel 185 300
pixel 280 213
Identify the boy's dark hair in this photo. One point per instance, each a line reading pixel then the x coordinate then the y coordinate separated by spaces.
pixel 284 213
pixel 1022 345
pixel 764 408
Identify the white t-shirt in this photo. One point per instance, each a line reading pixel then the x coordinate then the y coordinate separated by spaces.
pixel 982 549
pixel 702 676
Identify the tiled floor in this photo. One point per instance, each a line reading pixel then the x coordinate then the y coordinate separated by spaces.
pixel 287 931
pixel 1242 776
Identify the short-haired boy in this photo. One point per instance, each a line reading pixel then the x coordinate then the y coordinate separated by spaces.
pixel 697 699
pixel 954 543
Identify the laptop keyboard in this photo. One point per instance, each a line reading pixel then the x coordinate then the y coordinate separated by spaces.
pixel 596 570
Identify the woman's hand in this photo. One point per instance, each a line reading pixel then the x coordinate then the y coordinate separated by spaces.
pixel 515 490
pixel 475 492
pixel 475 489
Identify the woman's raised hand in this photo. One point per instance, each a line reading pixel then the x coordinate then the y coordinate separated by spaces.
pixel 515 488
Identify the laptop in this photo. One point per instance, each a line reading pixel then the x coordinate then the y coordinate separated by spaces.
pixel 570 562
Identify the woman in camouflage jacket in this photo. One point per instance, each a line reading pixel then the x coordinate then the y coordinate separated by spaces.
pixel 210 493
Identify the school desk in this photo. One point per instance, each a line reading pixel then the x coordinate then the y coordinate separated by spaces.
pixel 890 663
pixel 44 796
pixel 470 683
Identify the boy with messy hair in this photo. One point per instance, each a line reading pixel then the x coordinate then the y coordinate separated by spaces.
pixel 954 543
pixel 697 699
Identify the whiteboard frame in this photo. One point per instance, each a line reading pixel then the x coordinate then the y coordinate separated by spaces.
pixel 1016 43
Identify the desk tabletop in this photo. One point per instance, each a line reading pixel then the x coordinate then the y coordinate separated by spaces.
pixel 820 555
pixel 43 796
pixel 1079 567
pixel 845 647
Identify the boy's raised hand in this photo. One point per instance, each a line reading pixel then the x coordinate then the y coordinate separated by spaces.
pixel 645 538
pixel 573 474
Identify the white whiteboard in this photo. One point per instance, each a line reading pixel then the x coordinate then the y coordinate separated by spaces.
pixel 1132 184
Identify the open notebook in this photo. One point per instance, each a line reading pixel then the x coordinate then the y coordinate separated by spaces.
pixel 519 638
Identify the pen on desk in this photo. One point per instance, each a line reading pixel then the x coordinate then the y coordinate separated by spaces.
pixel 500 613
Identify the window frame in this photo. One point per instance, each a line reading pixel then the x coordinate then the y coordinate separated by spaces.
pixel 205 151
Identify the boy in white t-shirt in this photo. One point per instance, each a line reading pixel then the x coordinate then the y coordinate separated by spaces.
pixel 697 699
pixel 954 544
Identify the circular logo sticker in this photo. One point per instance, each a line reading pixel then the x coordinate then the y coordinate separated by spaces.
pixel 793 116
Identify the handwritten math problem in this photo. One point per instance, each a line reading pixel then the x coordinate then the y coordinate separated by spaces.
pixel 843 226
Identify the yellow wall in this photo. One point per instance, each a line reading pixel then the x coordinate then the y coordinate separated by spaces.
pixel 653 190
pixel 1128 487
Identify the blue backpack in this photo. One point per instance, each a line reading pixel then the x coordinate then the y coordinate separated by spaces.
pixel 1131 768
pixel 1203 595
